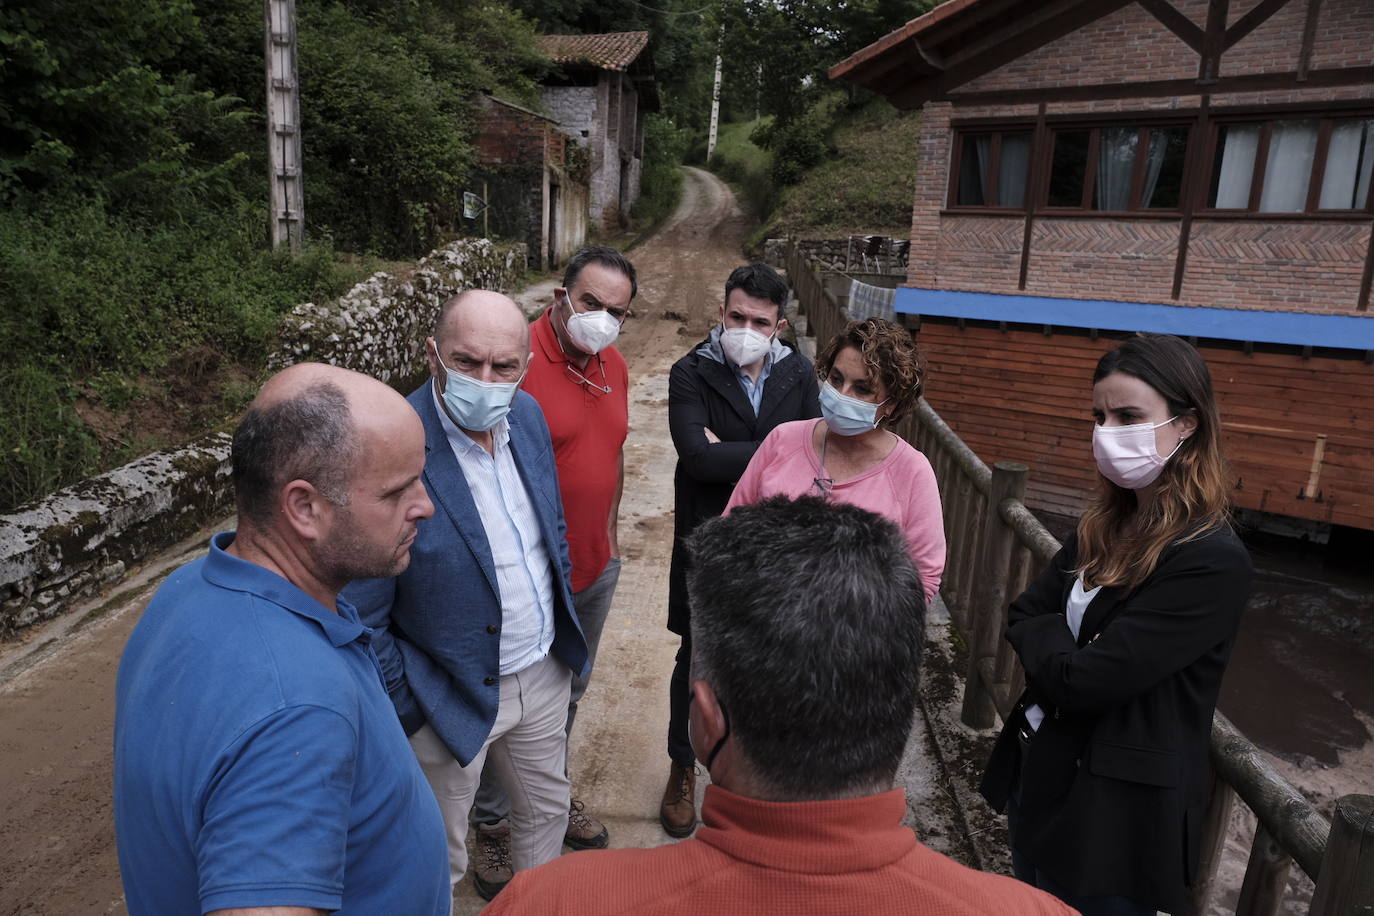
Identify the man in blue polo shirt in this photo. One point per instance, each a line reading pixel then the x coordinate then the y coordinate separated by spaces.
pixel 259 764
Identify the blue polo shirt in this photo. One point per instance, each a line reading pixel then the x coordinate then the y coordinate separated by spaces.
pixel 258 760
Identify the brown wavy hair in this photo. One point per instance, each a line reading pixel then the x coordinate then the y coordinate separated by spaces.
pixel 891 355
pixel 1117 543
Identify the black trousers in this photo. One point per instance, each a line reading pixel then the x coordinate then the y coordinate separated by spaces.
pixel 679 703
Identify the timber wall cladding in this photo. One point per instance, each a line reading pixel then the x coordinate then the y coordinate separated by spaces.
pixel 1292 426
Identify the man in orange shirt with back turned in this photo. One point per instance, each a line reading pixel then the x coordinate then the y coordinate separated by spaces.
pixel 582 385
pixel 807 625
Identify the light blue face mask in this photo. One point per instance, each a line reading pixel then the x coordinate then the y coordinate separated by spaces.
pixel 474 405
pixel 847 416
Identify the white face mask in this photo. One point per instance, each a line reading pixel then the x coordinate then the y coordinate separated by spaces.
pixel 744 346
pixel 591 332
pixel 1126 455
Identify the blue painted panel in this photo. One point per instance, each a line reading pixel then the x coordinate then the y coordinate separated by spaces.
pixel 1347 332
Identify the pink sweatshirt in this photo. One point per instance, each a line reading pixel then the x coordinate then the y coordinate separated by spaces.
pixel 900 488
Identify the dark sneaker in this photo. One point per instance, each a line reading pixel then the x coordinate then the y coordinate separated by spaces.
pixel 491 862
pixel 678 811
pixel 584 831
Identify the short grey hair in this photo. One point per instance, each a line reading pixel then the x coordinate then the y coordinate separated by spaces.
pixel 808 622
pixel 308 436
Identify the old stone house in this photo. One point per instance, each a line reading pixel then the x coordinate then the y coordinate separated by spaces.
pixel 1089 168
pixel 603 89
pixel 534 190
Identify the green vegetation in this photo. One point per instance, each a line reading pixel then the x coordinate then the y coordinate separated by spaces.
pixel 660 182
pixel 837 170
pixel 140 297
pixel 139 293
pixel 747 166
pixel 865 186
pixel 98 304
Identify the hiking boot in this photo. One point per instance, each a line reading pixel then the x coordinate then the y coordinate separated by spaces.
pixel 491 862
pixel 584 831
pixel 678 812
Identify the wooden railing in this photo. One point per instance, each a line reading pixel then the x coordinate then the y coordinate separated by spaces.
pixel 996 546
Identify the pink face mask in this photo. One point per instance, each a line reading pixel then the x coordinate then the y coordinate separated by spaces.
pixel 1126 455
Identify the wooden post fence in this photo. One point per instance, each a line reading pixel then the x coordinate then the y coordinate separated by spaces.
pixel 995 547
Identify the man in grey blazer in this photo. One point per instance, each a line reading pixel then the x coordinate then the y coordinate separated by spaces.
pixel 477 639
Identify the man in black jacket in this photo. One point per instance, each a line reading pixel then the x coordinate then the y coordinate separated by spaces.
pixel 724 397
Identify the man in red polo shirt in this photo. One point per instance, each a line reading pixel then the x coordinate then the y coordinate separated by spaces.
pixel 582 384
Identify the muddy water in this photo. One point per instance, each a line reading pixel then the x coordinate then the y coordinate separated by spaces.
pixel 1302 675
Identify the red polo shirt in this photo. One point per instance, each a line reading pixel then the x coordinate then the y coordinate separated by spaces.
pixel 588 430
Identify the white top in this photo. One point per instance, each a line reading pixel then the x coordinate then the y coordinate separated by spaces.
pixel 524 572
pixel 1074 609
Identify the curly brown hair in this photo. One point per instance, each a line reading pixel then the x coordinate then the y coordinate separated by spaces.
pixel 891 355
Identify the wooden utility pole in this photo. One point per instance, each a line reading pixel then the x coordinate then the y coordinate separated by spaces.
pixel 283 125
pixel 715 102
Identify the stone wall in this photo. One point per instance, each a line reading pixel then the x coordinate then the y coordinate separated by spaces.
pixel 573 107
pixel 830 254
pixel 56 551
pixel 379 326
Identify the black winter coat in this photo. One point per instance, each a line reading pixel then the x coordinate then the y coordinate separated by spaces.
pixel 703 393
pixel 1116 781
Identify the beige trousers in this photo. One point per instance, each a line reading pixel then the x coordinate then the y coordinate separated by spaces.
pixel 528 746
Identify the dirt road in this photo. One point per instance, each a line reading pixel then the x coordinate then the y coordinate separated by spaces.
pixel 57 853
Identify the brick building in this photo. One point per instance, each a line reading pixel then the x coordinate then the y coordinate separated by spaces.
pixel 535 191
pixel 1089 168
pixel 604 87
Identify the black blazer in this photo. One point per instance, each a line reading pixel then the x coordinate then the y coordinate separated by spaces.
pixel 703 393
pixel 1115 784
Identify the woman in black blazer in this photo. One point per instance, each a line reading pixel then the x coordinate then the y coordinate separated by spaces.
pixel 1102 767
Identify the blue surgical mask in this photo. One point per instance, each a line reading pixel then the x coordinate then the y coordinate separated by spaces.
pixel 474 405
pixel 847 416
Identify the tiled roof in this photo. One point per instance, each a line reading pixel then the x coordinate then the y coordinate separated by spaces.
pixel 609 51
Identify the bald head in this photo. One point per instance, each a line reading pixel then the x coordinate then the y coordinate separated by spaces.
pixel 310 422
pixel 481 313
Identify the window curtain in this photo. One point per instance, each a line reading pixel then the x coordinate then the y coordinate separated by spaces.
pixel 973 167
pixel 1154 161
pixel 1349 165
pixel 1116 148
pixel 1288 170
pixel 1240 143
pixel 1014 165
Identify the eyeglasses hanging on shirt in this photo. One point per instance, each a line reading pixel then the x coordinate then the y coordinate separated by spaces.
pixel 573 375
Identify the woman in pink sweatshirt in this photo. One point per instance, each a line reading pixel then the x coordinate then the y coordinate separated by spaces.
pixel 871 376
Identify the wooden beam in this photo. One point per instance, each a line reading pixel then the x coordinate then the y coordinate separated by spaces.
pixel 1213 43
pixel 995 38
pixel 1258 82
pixel 1040 159
pixel 1175 22
pixel 1194 188
pixel 1074 14
pixel 1368 280
pixel 1252 20
pixel 1309 38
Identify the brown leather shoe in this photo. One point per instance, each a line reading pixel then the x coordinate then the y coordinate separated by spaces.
pixel 678 812
pixel 584 831
pixel 491 863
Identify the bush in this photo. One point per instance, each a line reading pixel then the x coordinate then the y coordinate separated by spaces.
pixel 660 182
pixel 94 301
pixel 746 165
